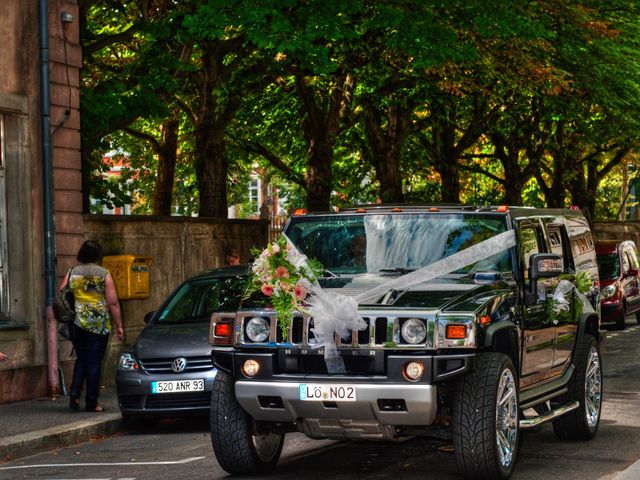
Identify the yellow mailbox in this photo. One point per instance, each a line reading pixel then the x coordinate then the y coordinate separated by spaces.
pixel 130 274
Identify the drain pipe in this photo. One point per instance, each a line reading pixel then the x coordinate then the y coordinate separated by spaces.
pixel 48 199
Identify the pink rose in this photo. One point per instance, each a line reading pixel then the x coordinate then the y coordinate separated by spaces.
pixel 282 272
pixel 267 289
pixel 300 292
pixel 275 248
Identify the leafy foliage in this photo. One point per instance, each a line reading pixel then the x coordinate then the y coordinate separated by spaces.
pixel 346 102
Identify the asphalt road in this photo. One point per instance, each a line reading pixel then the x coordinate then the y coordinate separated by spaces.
pixel 181 449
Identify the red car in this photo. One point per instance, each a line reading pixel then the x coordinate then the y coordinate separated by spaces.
pixel 619 283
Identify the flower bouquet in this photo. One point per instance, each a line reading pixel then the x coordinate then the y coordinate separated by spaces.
pixel 284 275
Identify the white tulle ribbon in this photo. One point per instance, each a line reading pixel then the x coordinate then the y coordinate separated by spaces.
pixel 562 300
pixel 334 313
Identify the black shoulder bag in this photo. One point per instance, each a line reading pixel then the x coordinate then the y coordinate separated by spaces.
pixel 64 309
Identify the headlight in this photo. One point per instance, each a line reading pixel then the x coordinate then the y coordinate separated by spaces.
pixel 414 331
pixel 257 329
pixel 608 291
pixel 128 363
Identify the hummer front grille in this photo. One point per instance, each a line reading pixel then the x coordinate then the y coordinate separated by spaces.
pixel 382 330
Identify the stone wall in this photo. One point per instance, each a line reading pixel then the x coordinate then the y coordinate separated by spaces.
pixel 617 231
pixel 179 247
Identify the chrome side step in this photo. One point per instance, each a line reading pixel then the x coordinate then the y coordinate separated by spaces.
pixel 548 416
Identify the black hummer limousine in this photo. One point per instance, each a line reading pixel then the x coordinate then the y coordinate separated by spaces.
pixel 484 319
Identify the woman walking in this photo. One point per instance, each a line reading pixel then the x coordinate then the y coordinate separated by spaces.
pixel 96 307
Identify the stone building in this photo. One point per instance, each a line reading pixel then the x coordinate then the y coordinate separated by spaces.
pixel 42 224
pixel 29 181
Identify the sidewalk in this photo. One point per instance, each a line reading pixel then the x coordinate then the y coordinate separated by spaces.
pixel 32 426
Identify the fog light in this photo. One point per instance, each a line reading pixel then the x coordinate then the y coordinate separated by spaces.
pixel 250 368
pixel 413 371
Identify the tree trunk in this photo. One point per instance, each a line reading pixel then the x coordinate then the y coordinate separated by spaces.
pixel 319 176
pixel 211 172
pixel 555 196
pixel 321 125
pixel 210 127
pixel 508 152
pixel 167 156
pixel 448 170
pixel 390 178
pixel 513 184
pixel 386 148
pixel 445 160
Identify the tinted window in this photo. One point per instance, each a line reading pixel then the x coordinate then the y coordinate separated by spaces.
pixel 531 243
pixel 633 256
pixel 197 300
pixel 609 266
pixel 625 262
pixel 375 242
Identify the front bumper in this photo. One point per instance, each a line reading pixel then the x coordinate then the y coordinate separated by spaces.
pixel 386 404
pixel 136 400
pixel 610 311
pixel 385 399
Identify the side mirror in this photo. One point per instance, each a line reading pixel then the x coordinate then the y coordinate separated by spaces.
pixel 545 265
pixel 148 316
pixel 541 265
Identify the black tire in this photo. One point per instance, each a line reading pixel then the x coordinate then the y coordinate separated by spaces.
pixel 485 442
pixel 586 388
pixel 238 447
pixel 621 321
pixel 638 317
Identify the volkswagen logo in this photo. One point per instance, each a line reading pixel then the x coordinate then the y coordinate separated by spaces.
pixel 179 364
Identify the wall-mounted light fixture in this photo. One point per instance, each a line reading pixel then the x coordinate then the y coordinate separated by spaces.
pixel 66 17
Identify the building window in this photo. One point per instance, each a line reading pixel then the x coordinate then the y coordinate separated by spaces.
pixel 4 283
pixel 254 190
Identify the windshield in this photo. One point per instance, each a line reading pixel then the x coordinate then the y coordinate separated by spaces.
pixel 196 300
pixel 395 242
pixel 609 266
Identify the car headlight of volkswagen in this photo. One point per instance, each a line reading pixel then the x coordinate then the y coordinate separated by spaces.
pixel 128 363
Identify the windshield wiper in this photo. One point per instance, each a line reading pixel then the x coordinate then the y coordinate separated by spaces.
pixel 398 270
pixel 330 274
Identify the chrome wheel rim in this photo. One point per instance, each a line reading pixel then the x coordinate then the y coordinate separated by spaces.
pixel 266 446
pixel 593 388
pixel 506 418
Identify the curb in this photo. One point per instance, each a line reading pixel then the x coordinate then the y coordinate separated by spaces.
pixel 25 444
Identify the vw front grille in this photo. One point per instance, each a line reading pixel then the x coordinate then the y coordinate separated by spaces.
pixel 163 365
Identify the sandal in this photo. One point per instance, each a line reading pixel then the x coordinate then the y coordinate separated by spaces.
pixel 98 408
pixel 74 403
